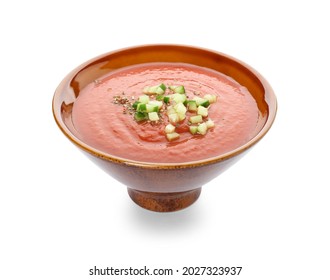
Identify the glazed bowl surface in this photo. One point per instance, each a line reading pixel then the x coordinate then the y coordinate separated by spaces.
pixel 163 187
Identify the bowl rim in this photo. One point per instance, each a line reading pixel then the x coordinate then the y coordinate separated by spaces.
pixel 269 93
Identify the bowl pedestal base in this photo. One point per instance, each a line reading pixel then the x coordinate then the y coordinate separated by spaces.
pixel 164 202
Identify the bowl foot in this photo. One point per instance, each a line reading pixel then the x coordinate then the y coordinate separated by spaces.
pixel 164 202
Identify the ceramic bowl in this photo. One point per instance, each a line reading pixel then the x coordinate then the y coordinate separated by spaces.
pixel 163 187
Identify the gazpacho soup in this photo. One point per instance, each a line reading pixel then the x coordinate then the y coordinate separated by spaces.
pixel 165 113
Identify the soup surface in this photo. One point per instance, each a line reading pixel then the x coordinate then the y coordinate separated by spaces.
pixel 104 114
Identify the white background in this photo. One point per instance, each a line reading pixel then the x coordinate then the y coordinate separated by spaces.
pixel 60 215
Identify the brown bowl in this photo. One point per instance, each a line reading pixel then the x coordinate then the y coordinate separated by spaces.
pixel 163 187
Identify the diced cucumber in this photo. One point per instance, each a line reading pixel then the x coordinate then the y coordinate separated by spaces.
pixel 153 89
pixel 153 116
pixel 160 97
pixel 170 110
pixel 139 116
pixel 157 103
pixel 178 98
pixel 180 108
pixel 172 136
pixel 202 128
pixel 141 107
pixel 211 98
pixel 205 103
pixel 192 105
pixel 181 116
pixel 166 99
pixel 199 100
pixel 193 129
pixel 170 128
pixel 152 108
pixel 163 87
pixel 202 101
pixel 160 89
pixel 173 118
pixel 178 89
pixel 210 123
pixel 135 104
pixel 196 119
pixel 144 99
pixel 203 111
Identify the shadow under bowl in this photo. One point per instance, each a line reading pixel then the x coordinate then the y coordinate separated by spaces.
pixel 163 187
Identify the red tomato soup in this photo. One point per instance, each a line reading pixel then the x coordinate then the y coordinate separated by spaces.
pixel 105 113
